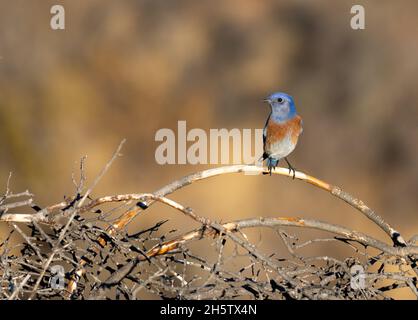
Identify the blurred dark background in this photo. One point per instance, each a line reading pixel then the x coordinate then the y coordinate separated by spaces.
pixel 128 68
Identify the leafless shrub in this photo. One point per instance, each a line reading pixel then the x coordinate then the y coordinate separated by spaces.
pixel 87 241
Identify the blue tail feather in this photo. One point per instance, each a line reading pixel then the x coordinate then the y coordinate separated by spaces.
pixel 272 162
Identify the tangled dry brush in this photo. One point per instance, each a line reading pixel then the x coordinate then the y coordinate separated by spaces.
pixel 81 249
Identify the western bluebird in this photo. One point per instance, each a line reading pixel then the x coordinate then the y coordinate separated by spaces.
pixel 282 130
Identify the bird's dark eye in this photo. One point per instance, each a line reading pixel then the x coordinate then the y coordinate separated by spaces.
pixel 279 100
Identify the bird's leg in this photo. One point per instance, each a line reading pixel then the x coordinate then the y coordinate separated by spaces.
pixel 269 169
pixel 273 165
pixel 291 168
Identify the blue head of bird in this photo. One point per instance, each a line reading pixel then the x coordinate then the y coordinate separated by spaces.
pixel 282 106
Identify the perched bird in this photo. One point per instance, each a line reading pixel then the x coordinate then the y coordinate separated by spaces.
pixel 282 130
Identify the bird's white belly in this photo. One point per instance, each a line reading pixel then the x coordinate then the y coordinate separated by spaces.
pixel 282 148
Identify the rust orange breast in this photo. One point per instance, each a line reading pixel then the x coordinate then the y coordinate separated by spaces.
pixel 279 131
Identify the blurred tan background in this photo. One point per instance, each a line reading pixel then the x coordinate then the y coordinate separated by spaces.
pixel 128 68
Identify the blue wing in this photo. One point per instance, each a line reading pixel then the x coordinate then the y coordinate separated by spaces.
pixel 265 155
